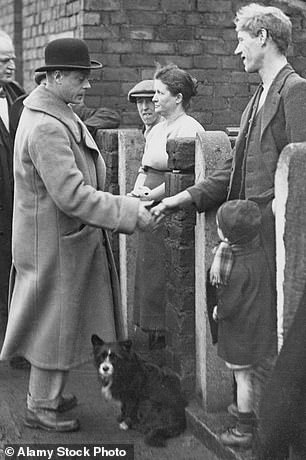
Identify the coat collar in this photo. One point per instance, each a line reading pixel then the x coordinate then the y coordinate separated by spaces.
pixel 270 107
pixel 43 100
pixel 272 101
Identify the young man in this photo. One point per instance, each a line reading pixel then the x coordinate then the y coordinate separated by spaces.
pixel 64 277
pixel 274 117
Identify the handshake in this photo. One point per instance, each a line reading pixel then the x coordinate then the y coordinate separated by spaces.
pixel 150 214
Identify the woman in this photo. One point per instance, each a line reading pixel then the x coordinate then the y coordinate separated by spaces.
pixel 174 88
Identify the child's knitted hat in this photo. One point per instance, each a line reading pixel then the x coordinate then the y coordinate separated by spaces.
pixel 239 220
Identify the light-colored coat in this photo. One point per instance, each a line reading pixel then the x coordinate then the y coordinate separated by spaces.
pixel 61 285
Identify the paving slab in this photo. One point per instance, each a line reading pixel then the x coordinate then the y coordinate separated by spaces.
pixel 97 417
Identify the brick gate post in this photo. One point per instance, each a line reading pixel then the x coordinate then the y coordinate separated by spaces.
pixel 189 348
pixel 180 288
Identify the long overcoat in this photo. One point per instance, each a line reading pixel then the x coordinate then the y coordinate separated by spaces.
pixel 283 122
pixel 12 90
pixel 61 283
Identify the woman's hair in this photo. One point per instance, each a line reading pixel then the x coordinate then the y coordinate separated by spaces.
pixel 177 81
pixel 254 17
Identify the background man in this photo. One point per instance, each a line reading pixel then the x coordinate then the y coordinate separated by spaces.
pixel 141 95
pixel 9 91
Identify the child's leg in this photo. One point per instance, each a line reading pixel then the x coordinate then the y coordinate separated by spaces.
pixel 242 434
pixel 244 390
pixel 232 408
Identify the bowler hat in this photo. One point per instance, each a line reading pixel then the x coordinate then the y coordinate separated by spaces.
pixel 144 88
pixel 68 53
pixel 239 220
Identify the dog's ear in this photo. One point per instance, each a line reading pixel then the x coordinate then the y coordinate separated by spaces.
pixel 126 345
pixel 96 341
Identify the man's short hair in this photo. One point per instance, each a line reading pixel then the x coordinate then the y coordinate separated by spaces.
pixel 254 17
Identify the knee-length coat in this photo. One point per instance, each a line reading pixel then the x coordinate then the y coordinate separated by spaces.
pixel 61 289
pixel 12 91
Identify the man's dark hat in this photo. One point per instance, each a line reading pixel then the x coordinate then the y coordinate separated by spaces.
pixel 68 53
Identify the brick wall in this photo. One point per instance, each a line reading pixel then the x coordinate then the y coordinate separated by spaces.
pixel 130 36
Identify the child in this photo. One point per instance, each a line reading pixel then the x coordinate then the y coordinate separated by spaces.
pixel 246 318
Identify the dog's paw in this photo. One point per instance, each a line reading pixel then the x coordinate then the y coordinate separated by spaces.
pixel 123 426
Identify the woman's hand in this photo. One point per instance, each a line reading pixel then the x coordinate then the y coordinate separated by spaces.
pixel 141 192
pixel 144 193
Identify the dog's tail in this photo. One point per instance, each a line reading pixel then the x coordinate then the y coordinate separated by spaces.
pixel 157 436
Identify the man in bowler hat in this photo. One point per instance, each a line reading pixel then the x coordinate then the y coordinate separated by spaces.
pixel 64 285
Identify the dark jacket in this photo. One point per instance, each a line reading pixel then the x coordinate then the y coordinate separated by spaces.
pixel 246 314
pixel 284 121
pixel 12 91
pixel 282 411
pixel 284 116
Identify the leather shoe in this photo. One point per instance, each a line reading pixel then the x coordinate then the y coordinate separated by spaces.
pixel 67 403
pixel 49 420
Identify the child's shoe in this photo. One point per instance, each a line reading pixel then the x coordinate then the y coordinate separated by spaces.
pixel 242 434
pixel 232 437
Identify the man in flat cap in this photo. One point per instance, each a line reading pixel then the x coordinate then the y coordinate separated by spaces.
pixel 63 285
pixel 141 95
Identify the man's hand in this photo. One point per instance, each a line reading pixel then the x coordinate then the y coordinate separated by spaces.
pixel 170 205
pixel 144 219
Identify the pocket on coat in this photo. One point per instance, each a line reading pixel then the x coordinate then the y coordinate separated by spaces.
pixel 75 231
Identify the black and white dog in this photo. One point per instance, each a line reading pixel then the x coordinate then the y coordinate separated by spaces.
pixel 151 398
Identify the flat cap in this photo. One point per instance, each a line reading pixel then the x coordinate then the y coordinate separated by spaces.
pixel 144 88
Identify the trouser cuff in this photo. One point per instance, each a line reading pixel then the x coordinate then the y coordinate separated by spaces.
pixel 34 404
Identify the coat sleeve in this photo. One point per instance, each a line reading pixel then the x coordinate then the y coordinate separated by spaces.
pixel 295 111
pixel 212 191
pixel 53 158
pixel 231 296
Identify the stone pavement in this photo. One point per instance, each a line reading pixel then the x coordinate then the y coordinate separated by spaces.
pixel 97 417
